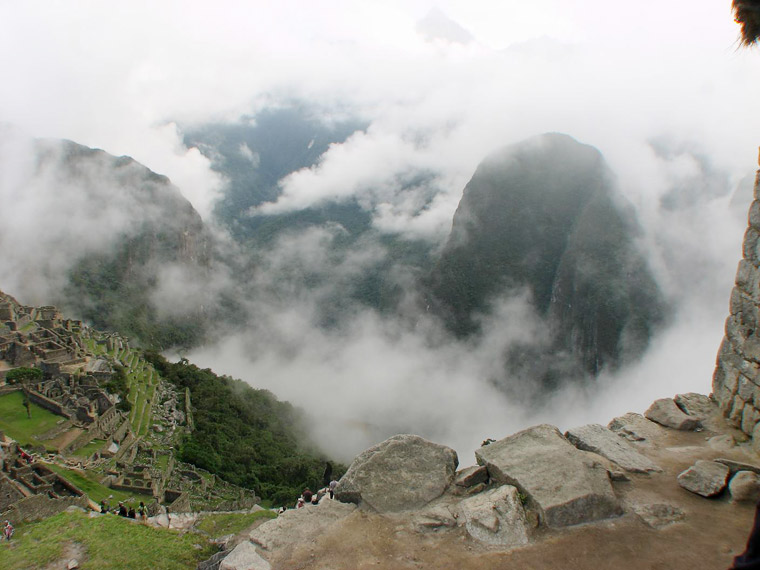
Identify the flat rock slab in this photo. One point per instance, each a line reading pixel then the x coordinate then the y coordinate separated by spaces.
pixel 636 428
pixel 293 525
pixel 736 466
pixel 402 473
pixel 244 557
pixel 565 484
pixel 602 441
pixel 665 412
pixel 659 515
pixel 706 478
pixel 496 517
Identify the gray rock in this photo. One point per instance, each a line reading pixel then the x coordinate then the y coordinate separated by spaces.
pixel 706 478
pixel 471 476
pixel 696 405
pixel 659 515
pixel 496 517
pixel 402 473
pixel 744 487
pixel 564 484
pixel 722 442
pixel 598 439
pixel 736 466
pixel 244 557
pixel 665 412
pixel 636 428
pixel 291 526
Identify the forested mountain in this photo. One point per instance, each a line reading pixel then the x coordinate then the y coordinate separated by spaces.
pixel 544 215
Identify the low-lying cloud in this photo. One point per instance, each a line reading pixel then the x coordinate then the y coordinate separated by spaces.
pixel 626 82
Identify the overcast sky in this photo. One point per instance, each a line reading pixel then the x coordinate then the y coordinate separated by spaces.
pixel 126 77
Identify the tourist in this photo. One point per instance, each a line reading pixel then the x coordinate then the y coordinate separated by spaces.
pixel 122 510
pixel 131 514
pixel 142 510
pixel 333 484
pixel 300 503
pixel 281 510
pixel 8 530
pixel 307 495
pixel 104 507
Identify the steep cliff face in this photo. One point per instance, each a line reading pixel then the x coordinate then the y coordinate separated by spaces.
pixel 544 215
pixel 736 381
pixel 142 229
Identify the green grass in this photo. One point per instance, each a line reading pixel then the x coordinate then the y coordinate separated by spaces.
pixel 230 523
pixel 90 448
pixel 109 541
pixel 13 420
pixel 87 482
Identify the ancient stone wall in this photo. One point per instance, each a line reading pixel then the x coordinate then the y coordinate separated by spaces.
pixel 48 404
pixel 736 380
pixel 40 506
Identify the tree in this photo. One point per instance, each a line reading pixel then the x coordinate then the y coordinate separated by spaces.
pixel 23 375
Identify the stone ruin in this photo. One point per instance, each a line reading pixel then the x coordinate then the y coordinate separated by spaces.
pixel 30 490
pixel 736 381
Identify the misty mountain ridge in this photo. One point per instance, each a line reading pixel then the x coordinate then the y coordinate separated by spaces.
pixel 142 239
pixel 544 215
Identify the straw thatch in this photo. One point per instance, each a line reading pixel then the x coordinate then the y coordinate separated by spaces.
pixel 747 13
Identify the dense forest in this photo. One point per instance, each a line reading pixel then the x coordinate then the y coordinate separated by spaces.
pixel 246 436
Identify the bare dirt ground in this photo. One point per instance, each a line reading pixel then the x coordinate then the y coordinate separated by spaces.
pixel 711 534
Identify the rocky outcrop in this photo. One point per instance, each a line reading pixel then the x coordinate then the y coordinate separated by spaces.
pixel 602 441
pixel 565 485
pixel 402 473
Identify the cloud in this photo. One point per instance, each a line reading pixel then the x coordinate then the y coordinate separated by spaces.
pixel 618 78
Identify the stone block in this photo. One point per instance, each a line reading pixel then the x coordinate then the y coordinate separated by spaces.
pixel 405 472
pixel 736 411
pixel 754 215
pixel 746 389
pixel 695 405
pixel 749 419
pixel 705 478
pixel 471 476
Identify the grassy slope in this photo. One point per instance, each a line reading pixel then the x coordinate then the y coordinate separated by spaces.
pixel 87 482
pixel 14 422
pixel 109 541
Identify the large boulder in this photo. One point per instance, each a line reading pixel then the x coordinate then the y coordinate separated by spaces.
pixel 567 486
pixel 598 439
pixel 706 478
pixel 293 525
pixel 402 473
pixel 496 517
pixel 665 412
